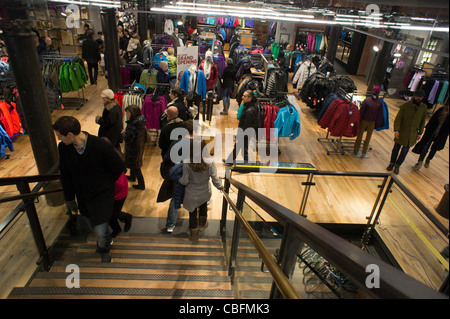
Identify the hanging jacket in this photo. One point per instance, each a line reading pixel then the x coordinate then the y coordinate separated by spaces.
pixel 201 83
pixel 385 126
pixel 270 115
pixel 5 142
pixel 287 122
pixel 342 119
pixel 152 110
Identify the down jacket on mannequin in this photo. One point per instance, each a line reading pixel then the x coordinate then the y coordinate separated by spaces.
pixel 209 70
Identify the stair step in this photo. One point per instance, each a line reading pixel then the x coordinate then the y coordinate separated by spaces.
pixel 102 292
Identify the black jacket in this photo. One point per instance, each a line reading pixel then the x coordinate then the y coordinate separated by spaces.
pixel 431 135
pixel 90 51
pixel 249 117
pixel 182 108
pixel 111 124
pixel 164 140
pixel 90 177
pixel 135 137
pixel 228 76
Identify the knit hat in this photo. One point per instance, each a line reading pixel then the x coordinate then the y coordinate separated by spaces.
pixel 376 90
pixel 419 93
pixel 229 61
pixel 109 94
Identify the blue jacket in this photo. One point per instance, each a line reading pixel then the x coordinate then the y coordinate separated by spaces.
pixel 287 122
pixel 386 117
pixel 175 173
pixel 201 83
pixel 5 141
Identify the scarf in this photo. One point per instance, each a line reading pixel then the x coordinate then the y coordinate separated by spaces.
pixel 192 71
pixel 208 64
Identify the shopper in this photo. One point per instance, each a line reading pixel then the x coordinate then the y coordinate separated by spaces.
pixel 134 50
pixel 172 61
pixel 123 42
pixel 177 99
pixel 435 137
pixel 91 54
pixel 288 58
pixel 164 143
pixel 120 195
pixel 248 119
pixel 228 81
pixel 163 75
pixel 45 47
pixel 197 193
pixel 178 42
pixel 110 122
pixel 135 136
pixel 371 116
pixel 408 128
pixel 89 167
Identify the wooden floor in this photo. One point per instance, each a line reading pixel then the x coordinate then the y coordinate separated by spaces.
pixel 338 200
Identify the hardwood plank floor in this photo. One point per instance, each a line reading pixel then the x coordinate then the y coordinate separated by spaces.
pixel 333 200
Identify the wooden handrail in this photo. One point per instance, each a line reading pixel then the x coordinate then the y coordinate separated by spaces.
pixel 280 279
pixel 349 259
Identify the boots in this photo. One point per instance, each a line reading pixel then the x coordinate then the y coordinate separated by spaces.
pixel 225 109
pixel 427 163
pixel 193 234
pixel 417 166
pixel 202 223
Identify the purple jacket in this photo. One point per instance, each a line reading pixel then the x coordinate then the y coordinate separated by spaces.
pixel 152 111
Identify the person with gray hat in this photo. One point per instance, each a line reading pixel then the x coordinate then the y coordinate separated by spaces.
pixel 409 125
pixel 110 122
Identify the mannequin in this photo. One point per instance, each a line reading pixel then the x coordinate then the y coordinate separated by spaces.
pixel 371 113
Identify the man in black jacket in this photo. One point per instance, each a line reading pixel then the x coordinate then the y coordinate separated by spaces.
pixel 89 168
pixel 91 54
pixel 248 119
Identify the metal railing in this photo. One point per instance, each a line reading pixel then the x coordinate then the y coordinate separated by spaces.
pixel 351 260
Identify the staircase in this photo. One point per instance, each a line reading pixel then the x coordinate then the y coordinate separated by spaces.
pixel 153 266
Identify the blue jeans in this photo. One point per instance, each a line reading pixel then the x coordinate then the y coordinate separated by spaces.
pixel 102 235
pixel 226 93
pixel 172 214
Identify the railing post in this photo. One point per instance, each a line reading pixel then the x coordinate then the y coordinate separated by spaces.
pixel 386 188
pixel 291 244
pixel 307 185
pixel 35 226
pixel 223 221
pixel 235 238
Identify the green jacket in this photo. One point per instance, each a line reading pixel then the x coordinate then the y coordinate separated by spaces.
pixel 172 62
pixel 409 122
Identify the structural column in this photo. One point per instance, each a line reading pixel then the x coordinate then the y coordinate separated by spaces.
pixel 333 43
pixel 380 66
pixel 24 62
pixel 142 20
pixel 112 59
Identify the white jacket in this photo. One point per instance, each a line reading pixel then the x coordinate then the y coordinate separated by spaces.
pixel 303 73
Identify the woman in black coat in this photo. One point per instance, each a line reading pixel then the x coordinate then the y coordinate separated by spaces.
pixel 177 99
pixel 435 136
pixel 110 122
pixel 135 137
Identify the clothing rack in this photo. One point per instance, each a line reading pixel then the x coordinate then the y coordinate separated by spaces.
pixel 68 102
pixel 340 145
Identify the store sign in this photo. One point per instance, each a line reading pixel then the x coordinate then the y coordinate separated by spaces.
pixel 186 56
pixel 73 20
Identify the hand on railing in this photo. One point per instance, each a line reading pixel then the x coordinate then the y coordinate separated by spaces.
pixel 72 205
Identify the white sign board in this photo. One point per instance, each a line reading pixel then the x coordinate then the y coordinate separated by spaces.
pixel 186 56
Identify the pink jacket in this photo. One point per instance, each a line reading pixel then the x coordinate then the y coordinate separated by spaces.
pixel 121 187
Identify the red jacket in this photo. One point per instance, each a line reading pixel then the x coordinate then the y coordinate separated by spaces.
pixel 9 118
pixel 342 119
pixel 213 76
pixel 270 115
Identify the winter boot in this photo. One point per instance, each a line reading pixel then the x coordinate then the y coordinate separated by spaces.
pixel 396 169
pixel 417 166
pixel 390 167
pixel 226 106
pixel 193 234
pixel 427 163
pixel 202 223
